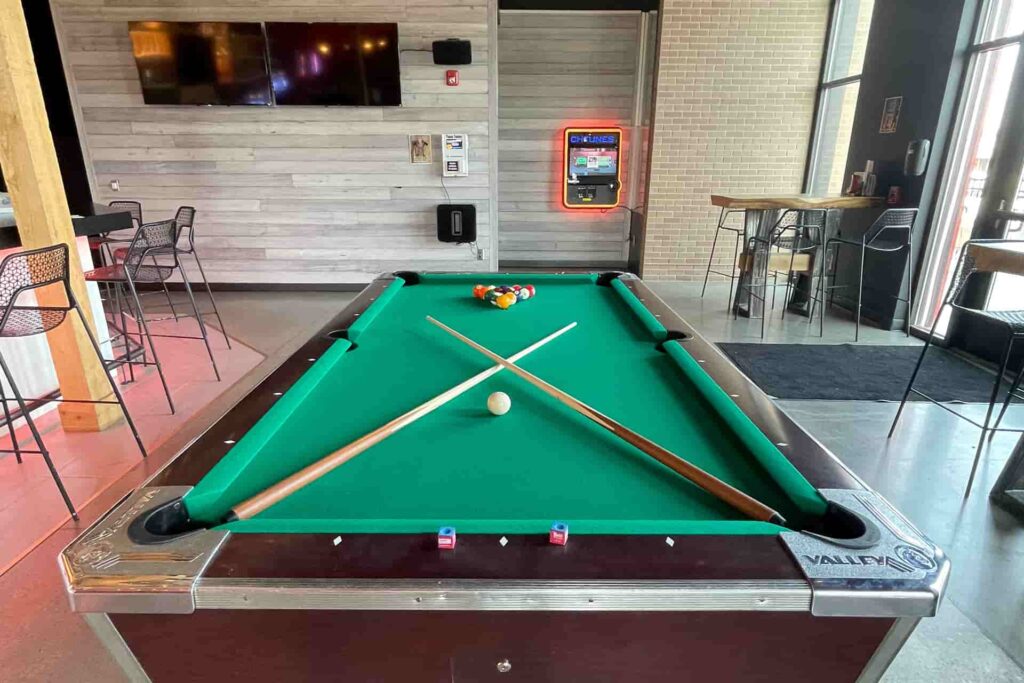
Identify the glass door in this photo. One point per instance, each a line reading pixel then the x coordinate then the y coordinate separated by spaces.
pixel 989 118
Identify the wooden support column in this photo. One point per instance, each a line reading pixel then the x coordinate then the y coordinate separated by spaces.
pixel 33 178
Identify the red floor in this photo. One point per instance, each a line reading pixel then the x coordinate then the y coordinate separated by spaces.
pixel 30 505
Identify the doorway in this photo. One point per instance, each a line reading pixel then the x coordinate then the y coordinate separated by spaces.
pixel 982 185
pixel 562 68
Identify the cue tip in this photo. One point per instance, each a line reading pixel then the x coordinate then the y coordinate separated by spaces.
pixel 776 518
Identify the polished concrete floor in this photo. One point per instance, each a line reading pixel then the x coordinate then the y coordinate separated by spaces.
pixel 978 635
pixel 922 470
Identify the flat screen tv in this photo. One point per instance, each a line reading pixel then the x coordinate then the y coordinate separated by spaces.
pixel 208 62
pixel 334 64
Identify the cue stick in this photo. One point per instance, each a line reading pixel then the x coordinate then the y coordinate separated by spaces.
pixel 728 494
pixel 284 488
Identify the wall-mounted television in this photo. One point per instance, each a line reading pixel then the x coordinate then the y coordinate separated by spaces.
pixel 334 64
pixel 208 62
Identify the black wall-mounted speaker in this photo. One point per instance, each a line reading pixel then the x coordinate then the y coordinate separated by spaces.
pixel 456 223
pixel 452 51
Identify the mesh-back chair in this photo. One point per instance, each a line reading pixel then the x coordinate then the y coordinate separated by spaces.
pixel 737 230
pixel 132 207
pixel 186 221
pixel 797 232
pixel 105 243
pixel 27 271
pixel 978 256
pixel 891 232
pixel 139 266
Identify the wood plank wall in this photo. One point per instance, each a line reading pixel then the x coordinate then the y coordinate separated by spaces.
pixel 289 194
pixel 558 69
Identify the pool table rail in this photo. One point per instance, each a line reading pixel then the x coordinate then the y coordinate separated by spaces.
pixel 105 565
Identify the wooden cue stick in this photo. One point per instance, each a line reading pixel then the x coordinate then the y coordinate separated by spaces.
pixel 749 506
pixel 284 488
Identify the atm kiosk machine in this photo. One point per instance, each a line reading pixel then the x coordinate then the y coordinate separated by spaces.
pixel 591 169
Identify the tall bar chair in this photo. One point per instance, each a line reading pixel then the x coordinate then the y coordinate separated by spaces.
pixel 977 256
pixel 24 272
pixel 151 240
pixel 797 232
pixel 185 219
pixel 723 224
pixel 892 231
pixel 105 243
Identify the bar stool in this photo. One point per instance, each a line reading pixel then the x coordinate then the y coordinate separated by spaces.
pixel 723 219
pixel 150 240
pixel 32 270
pixel 104 243
pixel 796 232
pixel 877 238
pixel 978 256
pixel 185 220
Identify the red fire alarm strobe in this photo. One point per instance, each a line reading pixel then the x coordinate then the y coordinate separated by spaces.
pixel 451 77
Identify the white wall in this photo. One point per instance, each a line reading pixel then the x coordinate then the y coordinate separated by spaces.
pixel 290 194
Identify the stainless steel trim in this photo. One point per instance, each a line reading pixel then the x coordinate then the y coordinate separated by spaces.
pixel 104 571
pixel 902 574
pixel 887 650
pixel 112 640
pixel 464 594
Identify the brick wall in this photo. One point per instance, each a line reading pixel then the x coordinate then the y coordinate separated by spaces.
pixel 733 112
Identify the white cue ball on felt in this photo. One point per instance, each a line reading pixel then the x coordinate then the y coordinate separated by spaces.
pixel 499 403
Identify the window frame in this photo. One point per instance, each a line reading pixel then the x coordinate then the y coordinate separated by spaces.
pixel 824 86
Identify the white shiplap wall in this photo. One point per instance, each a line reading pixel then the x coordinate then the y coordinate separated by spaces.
pixel 290 194
pixel 558 69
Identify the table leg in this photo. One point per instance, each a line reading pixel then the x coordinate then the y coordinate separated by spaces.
pixel 800 302
pixel 751 286
pixel 1008 491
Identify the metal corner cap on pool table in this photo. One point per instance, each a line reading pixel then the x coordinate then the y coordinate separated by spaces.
pixel 902 574
pixel 105 571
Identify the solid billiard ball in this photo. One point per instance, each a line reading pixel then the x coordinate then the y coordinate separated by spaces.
pixel 499 403
pixel 505 300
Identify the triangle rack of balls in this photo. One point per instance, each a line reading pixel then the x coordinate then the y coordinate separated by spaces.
pixel 504 296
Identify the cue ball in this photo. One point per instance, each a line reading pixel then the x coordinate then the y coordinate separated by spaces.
pixel 499 403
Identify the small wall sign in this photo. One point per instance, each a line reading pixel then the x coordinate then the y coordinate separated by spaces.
pixel 891 115
pixel 420 151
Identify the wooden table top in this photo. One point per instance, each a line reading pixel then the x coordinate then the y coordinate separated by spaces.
pixel 793 201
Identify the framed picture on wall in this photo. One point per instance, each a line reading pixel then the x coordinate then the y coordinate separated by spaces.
pixel 891 114
pixel 420 151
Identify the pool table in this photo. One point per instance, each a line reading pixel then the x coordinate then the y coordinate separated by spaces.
pixel 657 581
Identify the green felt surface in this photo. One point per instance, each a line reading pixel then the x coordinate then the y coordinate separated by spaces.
pixel 517 473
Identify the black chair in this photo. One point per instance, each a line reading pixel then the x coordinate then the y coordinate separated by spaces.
pixel 104 243
pixel 151 240
pixel 723 224
pixel 185 221
pixel 796 232
pixel 891 232
pixel 32 270
pixel 978 256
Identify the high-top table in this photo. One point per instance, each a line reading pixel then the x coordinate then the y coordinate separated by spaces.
pixel 761 213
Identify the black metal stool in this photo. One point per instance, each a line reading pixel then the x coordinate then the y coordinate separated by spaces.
pixel 151 240
pixel 978 256
pixel 185 221
pixel 877 238
pixel 723 219
pixel 32 270
pixel 798 231
pixel 105 243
